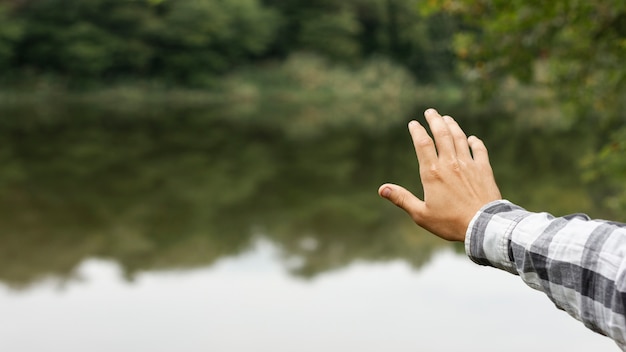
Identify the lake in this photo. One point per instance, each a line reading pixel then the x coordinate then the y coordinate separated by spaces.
pixel 191 230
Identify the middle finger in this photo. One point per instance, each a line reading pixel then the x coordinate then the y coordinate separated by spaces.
pixel 459 138
pixel 441 134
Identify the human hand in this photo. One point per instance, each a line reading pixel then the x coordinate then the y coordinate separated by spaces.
pixel 456 183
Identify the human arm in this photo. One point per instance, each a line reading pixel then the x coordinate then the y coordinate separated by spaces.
pixel 579 263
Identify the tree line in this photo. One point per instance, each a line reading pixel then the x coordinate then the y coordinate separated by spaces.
pixel 193 42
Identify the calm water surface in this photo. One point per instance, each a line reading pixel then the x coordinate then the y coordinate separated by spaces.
pixel 249 303
pixel 185 231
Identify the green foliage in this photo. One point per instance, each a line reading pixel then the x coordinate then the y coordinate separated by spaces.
pixel 347 31
pixel 185 41
pixel 582 43
pixel 194 42
pixel 196 38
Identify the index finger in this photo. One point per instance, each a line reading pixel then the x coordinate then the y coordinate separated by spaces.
pixel 424 145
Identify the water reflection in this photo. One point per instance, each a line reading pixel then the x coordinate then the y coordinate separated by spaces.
pixel 155 195
pixel 149 224
pixel 249 303
pixel 182 189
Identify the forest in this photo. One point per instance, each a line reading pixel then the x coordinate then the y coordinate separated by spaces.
pixel 192 42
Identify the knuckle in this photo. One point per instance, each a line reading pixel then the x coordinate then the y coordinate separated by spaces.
pixel 442 131
pixel 401 201
pixel 455 165
pixel 460 137
pixel 424 142
pixel 432 173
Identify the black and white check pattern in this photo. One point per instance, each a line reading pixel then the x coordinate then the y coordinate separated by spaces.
pixel 578 262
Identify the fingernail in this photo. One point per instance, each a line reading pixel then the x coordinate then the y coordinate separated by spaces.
pixel 386 192
pixel 430 111
pixel 412 123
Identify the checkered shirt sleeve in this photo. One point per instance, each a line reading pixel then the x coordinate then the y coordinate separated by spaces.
pixel 579 263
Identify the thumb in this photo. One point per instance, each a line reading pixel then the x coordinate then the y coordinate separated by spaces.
pixel 401 197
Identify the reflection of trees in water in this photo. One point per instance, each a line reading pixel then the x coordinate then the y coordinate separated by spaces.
pixel 153 194
pixel 169 193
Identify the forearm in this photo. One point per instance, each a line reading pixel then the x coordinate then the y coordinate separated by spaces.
pixel 579 263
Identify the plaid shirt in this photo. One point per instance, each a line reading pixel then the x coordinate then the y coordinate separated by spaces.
pixel 578 262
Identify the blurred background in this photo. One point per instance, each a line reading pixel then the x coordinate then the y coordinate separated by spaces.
pixel 201 175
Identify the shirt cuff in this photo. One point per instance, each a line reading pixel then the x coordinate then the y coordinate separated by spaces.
pixel 488 235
